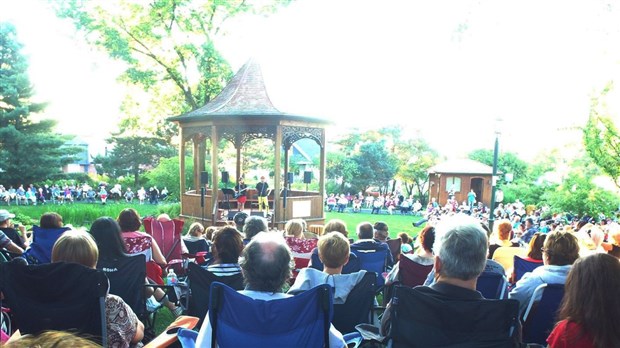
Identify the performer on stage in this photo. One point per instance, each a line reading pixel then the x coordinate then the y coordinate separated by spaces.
pixel 241 191
pixel 263 191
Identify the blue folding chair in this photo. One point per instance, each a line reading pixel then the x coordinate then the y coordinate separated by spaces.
pixel 43 239
pixel 373 261
pixel 492 285
pixel 522 266
pixel 540 316
pixel 300 321
pixel 187 338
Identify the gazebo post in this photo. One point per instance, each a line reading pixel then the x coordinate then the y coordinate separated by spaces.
pixel 286 160
pixel 181 164
pixel 276 177
pixel 214 175
pixel 238 165
pixel 322 168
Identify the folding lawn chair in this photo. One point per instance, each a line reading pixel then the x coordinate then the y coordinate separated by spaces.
pixel 167 235
pixel 358 308
pixel 540 316
pixel 43 239
pixel 420 319
pixel 373 261
pixel 299 321
pixel 127 277
pixel 200 280
pixel 522 266
pixel 492 285
pixel 56 296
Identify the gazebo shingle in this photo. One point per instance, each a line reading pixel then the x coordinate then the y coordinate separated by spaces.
pixel 245 94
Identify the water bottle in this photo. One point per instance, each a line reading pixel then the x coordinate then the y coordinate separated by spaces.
pixel 171 279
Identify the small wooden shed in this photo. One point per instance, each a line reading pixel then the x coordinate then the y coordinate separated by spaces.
pixel 460 176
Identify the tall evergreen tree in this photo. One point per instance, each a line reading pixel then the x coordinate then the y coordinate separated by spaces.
pixel 29 150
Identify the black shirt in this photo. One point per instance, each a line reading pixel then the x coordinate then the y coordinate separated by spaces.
pixel 262 188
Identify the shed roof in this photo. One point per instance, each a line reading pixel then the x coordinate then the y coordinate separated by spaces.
pixel 461 166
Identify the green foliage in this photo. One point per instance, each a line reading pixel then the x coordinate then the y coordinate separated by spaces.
pixel 415 157
pixel 132 156
pixel 167 174
pixel 601 137
pixel 375 165
pixel 29 151
pixel 82 214
pixel 507 163
pixel 578 195
pixel 167 46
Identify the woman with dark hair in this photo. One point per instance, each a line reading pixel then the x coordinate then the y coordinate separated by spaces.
pixel 590 306
pixel 107 234
pixel 226 248
pixel 423 256
pixel 50 220
pixel 137 242
pixel 534 250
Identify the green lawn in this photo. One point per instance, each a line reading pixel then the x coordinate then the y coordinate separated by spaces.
pixel 397 223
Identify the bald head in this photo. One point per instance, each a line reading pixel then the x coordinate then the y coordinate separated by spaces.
pixel 266 263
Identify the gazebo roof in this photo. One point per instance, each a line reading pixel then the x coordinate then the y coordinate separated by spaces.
pixel 245 95
pixel 461 166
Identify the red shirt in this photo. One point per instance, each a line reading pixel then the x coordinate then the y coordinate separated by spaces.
pixel 570 335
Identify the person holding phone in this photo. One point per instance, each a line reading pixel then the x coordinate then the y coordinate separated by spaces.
pixel 12 236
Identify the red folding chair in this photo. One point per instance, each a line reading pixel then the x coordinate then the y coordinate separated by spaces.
pixel 167 235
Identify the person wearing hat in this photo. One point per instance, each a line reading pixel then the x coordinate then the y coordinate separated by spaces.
pixel 10 239
pixel 239 220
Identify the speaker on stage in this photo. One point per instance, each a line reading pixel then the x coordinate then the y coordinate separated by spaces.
pixel 225 177
pixel 231 215
pixel 204 178
pixel 307 177
pixel 290 177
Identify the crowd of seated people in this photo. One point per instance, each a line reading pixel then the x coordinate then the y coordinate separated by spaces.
pixel 450 245
pixel 70 192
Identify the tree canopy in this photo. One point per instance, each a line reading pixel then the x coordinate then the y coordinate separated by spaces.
pixel 601 137
pixel 167 46
pixel 29 151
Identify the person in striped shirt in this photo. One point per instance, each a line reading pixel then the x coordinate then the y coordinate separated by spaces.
pixel 226 248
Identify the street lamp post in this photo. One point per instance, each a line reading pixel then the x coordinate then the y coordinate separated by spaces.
pixel 494 179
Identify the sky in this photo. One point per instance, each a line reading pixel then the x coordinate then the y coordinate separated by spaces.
pixel 443 70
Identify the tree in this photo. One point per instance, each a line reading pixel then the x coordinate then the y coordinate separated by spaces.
pixel 601 137
pixel 507 163
pixel 132 156
pixel 167 46
pixel 375 165
pixel 29 151
pixel 415 157
pixel 167 174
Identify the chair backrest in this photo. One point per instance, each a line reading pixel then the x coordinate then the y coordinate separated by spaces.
pixel 492 285
pixel 522 266
pixel 167 235
pixel 420 318
pixel 126 276
pixel 352 266
pixel 298 321
pixel 358 307
pixel 394 245
pixel 196 246
pixel 56 296
pixel 539 321
pixel 43 239
pixel 200 280
pixel 373 261
pixel 412 273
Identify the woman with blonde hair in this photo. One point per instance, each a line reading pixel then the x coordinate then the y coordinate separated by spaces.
pixel 124 328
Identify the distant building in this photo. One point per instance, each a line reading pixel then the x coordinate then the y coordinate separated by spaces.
pixel 83 163
pixel 459 176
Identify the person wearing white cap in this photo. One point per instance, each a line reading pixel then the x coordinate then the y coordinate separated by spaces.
pixel 10 244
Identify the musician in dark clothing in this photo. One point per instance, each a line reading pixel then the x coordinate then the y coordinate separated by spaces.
pixel 262 188
pixel 241 191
